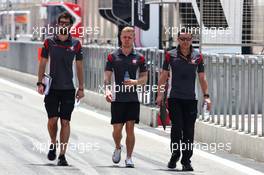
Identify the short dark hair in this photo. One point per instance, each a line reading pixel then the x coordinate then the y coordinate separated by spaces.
pixel 65 15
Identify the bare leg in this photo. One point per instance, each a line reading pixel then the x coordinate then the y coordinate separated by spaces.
pixel 52 128
pixel 64 135
pixel 130 140
pixel 117 134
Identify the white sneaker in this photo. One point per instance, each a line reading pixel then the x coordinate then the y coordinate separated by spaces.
pixel 117 155
pixel 129 162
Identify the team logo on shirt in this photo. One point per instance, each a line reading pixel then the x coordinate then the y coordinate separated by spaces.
pixel 70 48
pixel 134 61
pixel 195 60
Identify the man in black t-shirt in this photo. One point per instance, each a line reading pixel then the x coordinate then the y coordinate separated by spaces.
pixel 61 50
pixel 181 66
pixel 128 69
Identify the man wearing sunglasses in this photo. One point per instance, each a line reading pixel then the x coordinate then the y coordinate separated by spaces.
pixel 181 66
pixel 61 50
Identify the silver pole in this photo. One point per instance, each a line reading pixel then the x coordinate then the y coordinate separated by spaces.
pixel 201 25
pixel 132 12
pixel 255 96
pixel 225 89
pixel 237 90
pixel 243 93
pixel 262 92
pixel 8 19
pixel 178 14
pixel 156 56
pixel 249 94
pixel 230 91
pixel 209 73
pixel 218 90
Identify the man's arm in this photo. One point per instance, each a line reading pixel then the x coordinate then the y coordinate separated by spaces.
pixel 203 82
pixel 107 83
pixel 161 86
pixel 41 71
pixel 42 67
pixel 143 78
pixel 44 60
pixel 162 81
pixel 79 67
pixel 163 77
pixel 204 87
pixel 107 78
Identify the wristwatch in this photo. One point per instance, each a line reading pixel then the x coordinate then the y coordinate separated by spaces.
pixel 40 83
pixel 206 96
pixel 80 89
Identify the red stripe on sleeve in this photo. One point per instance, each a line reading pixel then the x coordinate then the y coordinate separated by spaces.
pixel 167 57
pixel 110 58
pixel 200 59
pixel 78 46
pixel 46 44
pixel 142 59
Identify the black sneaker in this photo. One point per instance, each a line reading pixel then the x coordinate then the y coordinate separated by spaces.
pixel 62 161
pixel 52 152
pixel 173 161
pixel 187 167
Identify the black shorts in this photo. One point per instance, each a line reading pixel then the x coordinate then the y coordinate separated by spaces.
pixel 60 103
pixel 121 112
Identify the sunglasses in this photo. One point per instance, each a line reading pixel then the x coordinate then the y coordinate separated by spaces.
pixel 61 23
pixel 185 39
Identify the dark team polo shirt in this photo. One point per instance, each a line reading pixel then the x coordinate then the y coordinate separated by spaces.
pixel 119 63
pixel 183 73
pixel 62 55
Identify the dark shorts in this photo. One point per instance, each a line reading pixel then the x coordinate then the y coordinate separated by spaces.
pixel 122 112
pixel 60 103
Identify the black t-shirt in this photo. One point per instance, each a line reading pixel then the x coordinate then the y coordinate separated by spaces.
pixel 119 64
pixel 182 73
pixel 61 56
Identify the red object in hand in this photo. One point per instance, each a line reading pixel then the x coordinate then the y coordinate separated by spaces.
pixel 167 119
